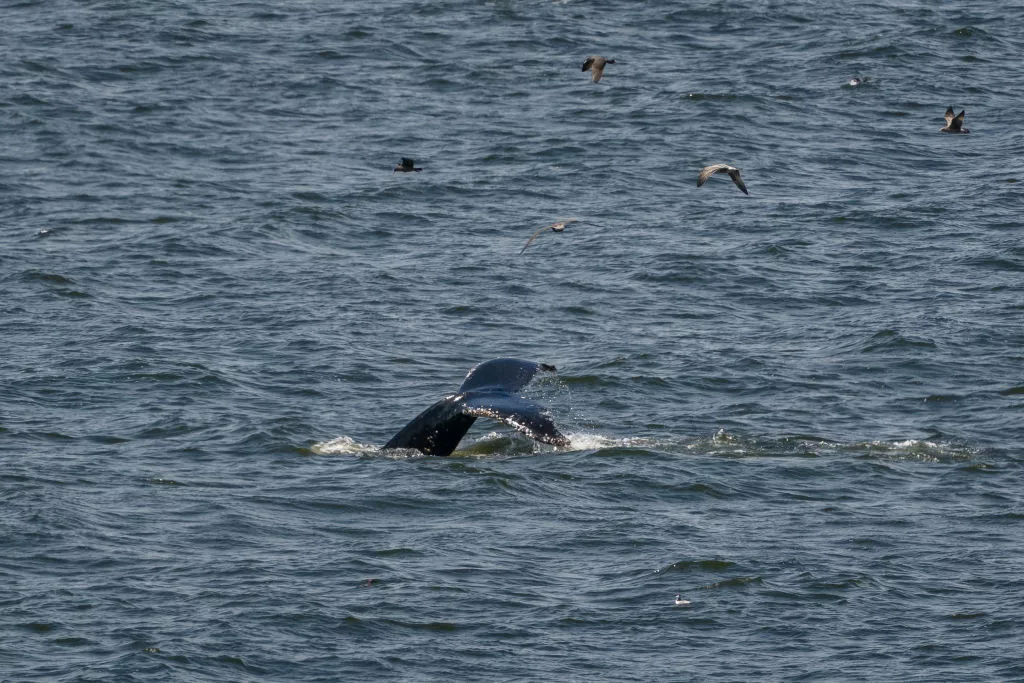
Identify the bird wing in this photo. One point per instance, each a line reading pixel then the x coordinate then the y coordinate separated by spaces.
pixel 735 175
pixel 709 171
pixel 533 237
pixel 958 121
pixel 587 64
pixel 949 116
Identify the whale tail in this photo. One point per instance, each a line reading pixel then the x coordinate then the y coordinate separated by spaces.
pixel 488 391
pixel 437 430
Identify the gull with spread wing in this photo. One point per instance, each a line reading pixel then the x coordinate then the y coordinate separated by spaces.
pixel 954 124
pixel 595 64
pixel 733 172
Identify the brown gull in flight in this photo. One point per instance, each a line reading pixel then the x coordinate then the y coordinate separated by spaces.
pixel 554 227
pixel 733 172
pixel 595 64
pixel 954 124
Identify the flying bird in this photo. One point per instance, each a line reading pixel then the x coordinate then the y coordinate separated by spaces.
pixel 595 64
pixel 406 166
pixel 554 227
pixel 733 172
pixel 954 124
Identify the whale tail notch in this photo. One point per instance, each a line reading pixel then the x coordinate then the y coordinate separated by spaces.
pixel 488 391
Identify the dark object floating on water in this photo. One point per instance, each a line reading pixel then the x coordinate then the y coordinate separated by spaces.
pixel 489 390
pixel 407 166
pixel 954 124
pixel 854 82
pixel 733 172
pixel 595 64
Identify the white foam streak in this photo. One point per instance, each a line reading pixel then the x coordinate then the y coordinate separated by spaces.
pixel 343 445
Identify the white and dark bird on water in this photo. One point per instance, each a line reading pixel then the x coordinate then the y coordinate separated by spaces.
pixel 954 124
pixel 733 172
pixel 595 64
pixel 407 166
pixel 680 602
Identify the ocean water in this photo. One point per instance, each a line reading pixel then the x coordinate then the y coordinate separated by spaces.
pixel 801 409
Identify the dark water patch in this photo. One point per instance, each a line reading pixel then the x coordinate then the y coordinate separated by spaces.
pixel 735 583
pixel 699 565
pixel 943 398
pixel 397 552
pixel 893 339
pixel 75 641
pixel 160 481
pixel 49 278
pixel 428 626
pixel 107 439
pixel 957 616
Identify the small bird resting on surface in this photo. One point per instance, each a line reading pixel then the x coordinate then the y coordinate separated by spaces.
pixel 733 172
pixel 406 166
pixel 954 124
pixel 554 227
pixel 595 64
pixel 680 602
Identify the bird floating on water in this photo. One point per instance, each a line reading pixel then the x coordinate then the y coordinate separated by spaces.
pixel 407 166
pixel 554 227
pixel 854 82
pixel 680 602
pixel 595 64
pixel 954 124
pixel 733 172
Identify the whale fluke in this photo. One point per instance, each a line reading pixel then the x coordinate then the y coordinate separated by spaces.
pixel 489 390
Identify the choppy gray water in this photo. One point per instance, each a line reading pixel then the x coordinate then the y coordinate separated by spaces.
pixel 801 410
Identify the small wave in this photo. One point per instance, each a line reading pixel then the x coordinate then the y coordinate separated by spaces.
pixel 914 449
pixel 711 565
pixel 343 445
pixel 721 443
pixel 587 441
pixel 735 582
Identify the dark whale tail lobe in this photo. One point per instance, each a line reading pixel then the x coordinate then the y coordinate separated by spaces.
pixel 489 390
